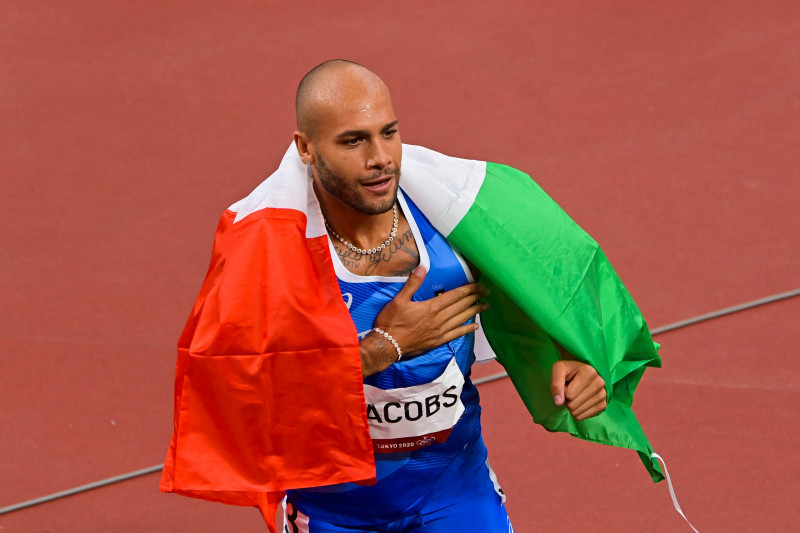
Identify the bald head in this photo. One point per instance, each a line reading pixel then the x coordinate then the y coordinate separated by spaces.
pixel 329 85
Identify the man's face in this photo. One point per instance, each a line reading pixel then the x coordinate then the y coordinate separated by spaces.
pixel 357 151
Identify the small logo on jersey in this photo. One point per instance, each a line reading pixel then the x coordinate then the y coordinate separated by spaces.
pixel 348 299
pixel 437 289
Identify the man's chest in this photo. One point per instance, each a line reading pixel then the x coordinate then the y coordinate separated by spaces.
pixel 399 258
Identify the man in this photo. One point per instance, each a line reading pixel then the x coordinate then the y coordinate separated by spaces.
pixel 413 301
pixel 348 136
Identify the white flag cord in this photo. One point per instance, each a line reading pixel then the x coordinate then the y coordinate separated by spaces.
pixel 672 491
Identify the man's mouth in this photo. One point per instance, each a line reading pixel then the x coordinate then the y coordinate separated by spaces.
pixel 379 184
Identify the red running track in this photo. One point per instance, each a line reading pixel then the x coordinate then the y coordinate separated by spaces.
pixel 669 130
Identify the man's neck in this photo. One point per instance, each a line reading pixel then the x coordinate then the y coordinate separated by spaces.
pixel 363 231
pixel 360 229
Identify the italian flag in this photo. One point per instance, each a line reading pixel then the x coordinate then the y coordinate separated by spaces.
pixel 268 388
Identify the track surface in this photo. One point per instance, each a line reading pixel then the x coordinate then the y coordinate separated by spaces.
pixel 669 130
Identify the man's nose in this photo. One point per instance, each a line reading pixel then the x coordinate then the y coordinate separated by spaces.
pixel 379 156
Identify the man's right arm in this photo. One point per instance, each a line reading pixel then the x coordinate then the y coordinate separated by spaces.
pixel 420 326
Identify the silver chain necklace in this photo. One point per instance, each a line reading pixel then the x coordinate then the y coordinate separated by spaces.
pixel 372 250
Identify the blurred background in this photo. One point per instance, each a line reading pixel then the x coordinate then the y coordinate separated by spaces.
pixel 668 130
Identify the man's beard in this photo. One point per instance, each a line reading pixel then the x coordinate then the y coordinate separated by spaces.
pixel 349 193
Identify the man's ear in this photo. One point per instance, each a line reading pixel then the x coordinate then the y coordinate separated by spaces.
pixel 304 145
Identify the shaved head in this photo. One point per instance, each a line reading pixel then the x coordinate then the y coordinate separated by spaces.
pixel 328 85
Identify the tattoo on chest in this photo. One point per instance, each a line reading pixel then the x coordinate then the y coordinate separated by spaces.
pixel 400 258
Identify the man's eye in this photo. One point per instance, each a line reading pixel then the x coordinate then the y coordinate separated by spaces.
pixel 352 142
pixel 389 133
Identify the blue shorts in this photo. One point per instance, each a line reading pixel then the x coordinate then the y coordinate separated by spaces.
pixel 461 501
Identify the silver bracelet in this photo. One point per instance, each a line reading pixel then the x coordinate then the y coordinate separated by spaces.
pixel 390 339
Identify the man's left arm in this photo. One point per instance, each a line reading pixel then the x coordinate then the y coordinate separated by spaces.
pixel 572 382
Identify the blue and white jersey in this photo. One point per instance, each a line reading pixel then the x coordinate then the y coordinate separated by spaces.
pixel 423 411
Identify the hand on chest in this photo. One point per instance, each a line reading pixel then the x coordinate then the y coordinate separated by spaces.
pixel 370 281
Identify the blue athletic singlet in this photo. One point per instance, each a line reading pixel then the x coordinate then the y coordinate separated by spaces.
pixel 423 412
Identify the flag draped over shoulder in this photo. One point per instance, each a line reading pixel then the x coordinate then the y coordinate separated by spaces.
pixel 268 388
pixel 551 286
